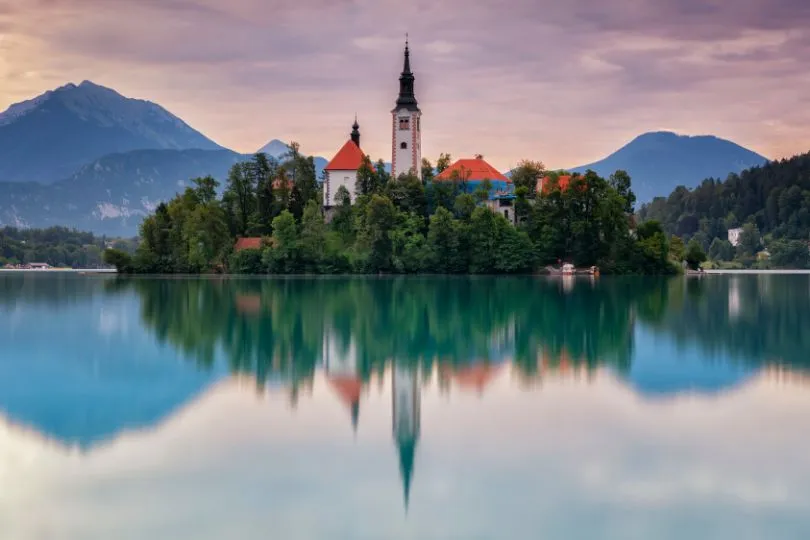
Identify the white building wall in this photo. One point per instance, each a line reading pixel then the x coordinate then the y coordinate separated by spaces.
pixel 339 358
pixel 406 403
pixel 410 157
pixel 335 179
pixel 734 236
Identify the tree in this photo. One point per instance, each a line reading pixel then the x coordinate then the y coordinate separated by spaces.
pixel 426 171
pixel 464 206
pixel 120 260
pixel 620 181
pixel 527 174
pixel 375 237
pixel 265 171
pixel 240 198
pixel 443 162
pixel 313 238
pixel 205 189
pixel 282 256
pixel 677 249
pixel 206 235
pixel 749 240
pixel 695 255
pixel 790 254
pixel 368 181
pixel 721 250
pixel 443 244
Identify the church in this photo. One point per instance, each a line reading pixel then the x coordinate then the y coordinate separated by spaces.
pixel 406 153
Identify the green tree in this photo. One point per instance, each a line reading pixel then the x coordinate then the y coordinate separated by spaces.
pixel 749 240
pixel 677 249
pixel 240 198
pixel 443 244
pixel 313 238
pixel 695 255
pixel 282 256
pixel 620 181
pixel 721 250
pixel 527 174
pixel 443 162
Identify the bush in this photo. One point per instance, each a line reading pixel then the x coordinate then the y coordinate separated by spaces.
pixel 121 260
pixel 246 261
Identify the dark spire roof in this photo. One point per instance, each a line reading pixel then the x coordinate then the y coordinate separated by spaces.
pixel 356 131
pixel 407 452
pixel 406 98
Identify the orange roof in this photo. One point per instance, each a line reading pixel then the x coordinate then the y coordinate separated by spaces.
pixel 473 170
pixel 563 182
pixel 348 158
pixel 248 243
pixel 477 377
pixel 347 388
pixel 249 304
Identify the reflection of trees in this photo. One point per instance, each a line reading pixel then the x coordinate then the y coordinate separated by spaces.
pixel 755 318
pixel 275 328
pixel 54 289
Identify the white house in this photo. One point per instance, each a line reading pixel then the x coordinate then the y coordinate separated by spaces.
pixel 342 170
pixel 734 236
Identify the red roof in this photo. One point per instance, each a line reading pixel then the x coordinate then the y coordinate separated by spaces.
pixel 347 388
pixel 348 158
pixel 248 243
pixel 472 170
pixel 563 182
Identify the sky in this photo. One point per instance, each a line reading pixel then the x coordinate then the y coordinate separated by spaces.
pixel 562 82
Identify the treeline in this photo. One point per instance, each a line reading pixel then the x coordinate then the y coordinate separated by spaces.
pixel 409 224
pixel 770 203
pixel 57 246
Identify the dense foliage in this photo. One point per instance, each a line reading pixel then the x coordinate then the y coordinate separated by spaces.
pixel 56 246
pixel 396 225
pixel 770 203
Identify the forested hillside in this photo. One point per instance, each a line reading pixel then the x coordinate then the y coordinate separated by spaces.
pixel 771 203
pixel 57 246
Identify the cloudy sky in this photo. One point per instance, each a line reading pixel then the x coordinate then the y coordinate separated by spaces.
pixel 564 82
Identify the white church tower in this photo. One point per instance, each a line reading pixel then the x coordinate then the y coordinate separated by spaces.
pixel 406 145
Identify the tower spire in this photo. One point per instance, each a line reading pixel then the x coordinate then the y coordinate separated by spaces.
pixel 406 98
pixel 356 131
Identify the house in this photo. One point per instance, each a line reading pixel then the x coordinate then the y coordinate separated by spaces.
pixel 39 266
pixel 248 243
pixel 734 236
pixel 468 174
pixel 546 183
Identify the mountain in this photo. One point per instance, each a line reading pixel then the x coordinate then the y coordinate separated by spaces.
pixel 49 137
pixel 274 149
pixel 659 162
pixel 111 195
pixel 774 196
pixel 278 150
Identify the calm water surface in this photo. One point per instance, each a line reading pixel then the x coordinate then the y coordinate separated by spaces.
pixel 404 408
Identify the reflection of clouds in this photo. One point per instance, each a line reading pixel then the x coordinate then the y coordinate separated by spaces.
pixel 568 461
pixel 112 321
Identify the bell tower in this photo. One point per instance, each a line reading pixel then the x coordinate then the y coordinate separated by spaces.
pixel 406 128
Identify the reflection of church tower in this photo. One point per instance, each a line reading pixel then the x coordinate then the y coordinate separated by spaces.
pixel 406 412
pixel 342 372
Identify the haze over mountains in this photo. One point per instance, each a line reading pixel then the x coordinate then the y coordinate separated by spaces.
pixel 87 157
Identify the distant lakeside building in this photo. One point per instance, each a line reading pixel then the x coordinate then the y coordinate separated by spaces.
pixel 734 236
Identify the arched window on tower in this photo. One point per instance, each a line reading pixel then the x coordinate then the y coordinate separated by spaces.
pixel 404 123
pixel 404 146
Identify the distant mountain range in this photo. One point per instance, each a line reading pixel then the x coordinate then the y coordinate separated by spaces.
pixel 112 194
pixel 661 161
pixel 49 137
pixel 87 157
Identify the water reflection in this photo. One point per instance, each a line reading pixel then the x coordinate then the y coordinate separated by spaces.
pixel 480 367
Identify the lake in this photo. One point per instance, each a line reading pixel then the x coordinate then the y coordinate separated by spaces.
pixel 425 407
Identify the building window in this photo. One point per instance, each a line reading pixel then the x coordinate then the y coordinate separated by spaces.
pixel 418 124
pixel 404 123
pixel 506 214
pixel 404 146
